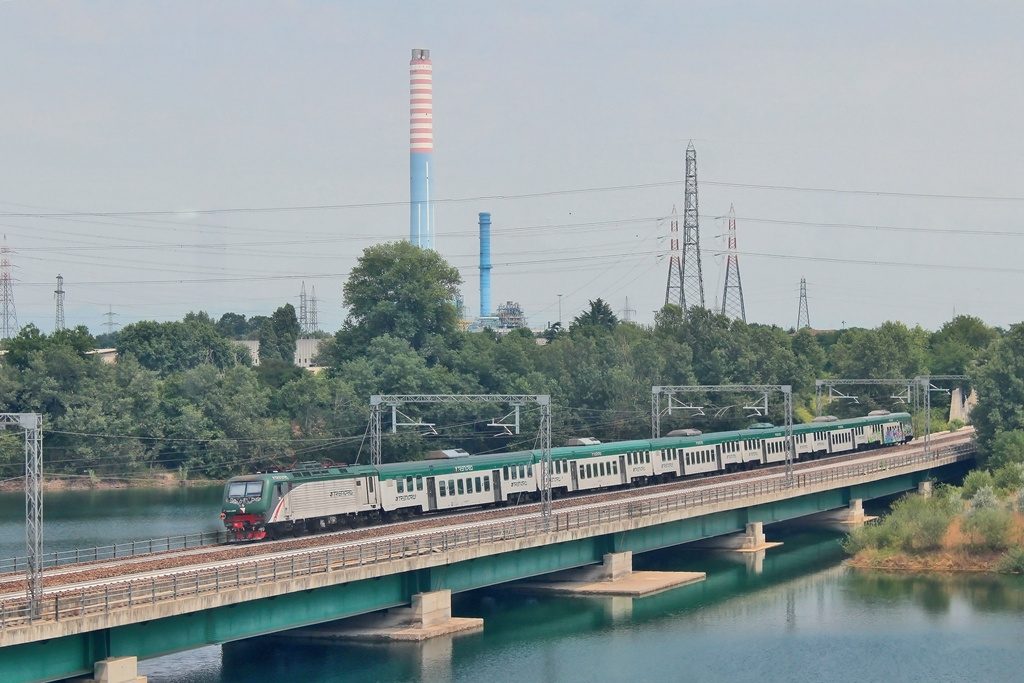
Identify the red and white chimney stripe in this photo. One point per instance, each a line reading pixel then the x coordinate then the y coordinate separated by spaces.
pixel 421 101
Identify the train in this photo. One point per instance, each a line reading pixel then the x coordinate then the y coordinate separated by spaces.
pixel 313 497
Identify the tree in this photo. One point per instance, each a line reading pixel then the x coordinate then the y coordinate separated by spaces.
pixel 599 316
pixel 287 330
pixel 172 346
pixel 233 326
pixel 402 291
pixel 999 380
pixel 30 340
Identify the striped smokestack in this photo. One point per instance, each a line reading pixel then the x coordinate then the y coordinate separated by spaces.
pixel 421 149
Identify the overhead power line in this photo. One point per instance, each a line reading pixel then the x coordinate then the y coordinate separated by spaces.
pixel 500 197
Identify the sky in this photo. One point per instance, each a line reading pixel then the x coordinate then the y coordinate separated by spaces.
pixel 167 157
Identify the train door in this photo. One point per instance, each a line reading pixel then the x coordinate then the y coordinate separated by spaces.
pixel 623 473
pixel 496 483
pixel 362 495
pixel 575 475
pixel 718 457
pixel 431 494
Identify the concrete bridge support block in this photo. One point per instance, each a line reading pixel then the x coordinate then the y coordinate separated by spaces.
pixel 924 489
pixel 429 616
pixel 115 670
pixel 614 577
pixel 752 540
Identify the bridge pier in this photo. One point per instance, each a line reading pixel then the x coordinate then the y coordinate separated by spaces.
pixel 115 670
pixel 429 616
pixel 751 540
pixel 614 577
pixel 924 489
pixel 844 519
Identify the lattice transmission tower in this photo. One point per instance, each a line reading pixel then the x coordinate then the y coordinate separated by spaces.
pixel 58 321
pixel 314 323
pixel 8 316
pixel 674 288
pixel 693 279
pixel 303 312
pixel 732 297
pixel 803 318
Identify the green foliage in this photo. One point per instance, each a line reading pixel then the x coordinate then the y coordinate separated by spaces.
pixel 989 528
pixel 30 341
pixel 892 350
pixel 974 481
pixel 1009 477
pixel 915 524
pixel 176 346
pixel 984 499
pixel 999 380
pixel 1005 449
pixel 599 316
pixel 400 290
pixel 1012 562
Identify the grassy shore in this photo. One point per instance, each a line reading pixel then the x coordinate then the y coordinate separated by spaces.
pixel 957 530
pixel 958 551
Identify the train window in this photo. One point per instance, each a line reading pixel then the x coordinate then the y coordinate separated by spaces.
pixel 529 470
pixel 583 472
pixel 589 471
pixel 253 488
pixel 462 488
pixel 401 485
pixel 504 472
pixel 647 456
pixel 487 483
pixel 601 466
pixel 408 483
pixel 451 487
pixel 369 483
pixel 513 468
pixel 479 486
pixel 419 482
pixel 615 467
pixel 522 472
pixel 443 491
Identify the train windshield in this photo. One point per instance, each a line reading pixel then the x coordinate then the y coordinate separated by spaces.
pixel 245 490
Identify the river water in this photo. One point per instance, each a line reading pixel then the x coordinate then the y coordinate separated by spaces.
pixel 798 615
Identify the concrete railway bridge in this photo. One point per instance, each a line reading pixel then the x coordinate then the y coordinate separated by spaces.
pixel 100 628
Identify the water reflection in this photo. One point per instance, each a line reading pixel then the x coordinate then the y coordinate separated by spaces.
pixel 935 593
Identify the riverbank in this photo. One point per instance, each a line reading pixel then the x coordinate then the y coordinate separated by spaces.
pixel 961 547
pixel 161 480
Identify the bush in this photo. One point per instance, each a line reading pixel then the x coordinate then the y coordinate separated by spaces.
pixel 975 480
pixel 956 424
pixel 985 499
pixel 915 524
pixel 1009 477
pixel 988 528
pixel 1012 562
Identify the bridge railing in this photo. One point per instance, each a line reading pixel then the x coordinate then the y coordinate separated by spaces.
pixel 71 604
pixel 118 550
